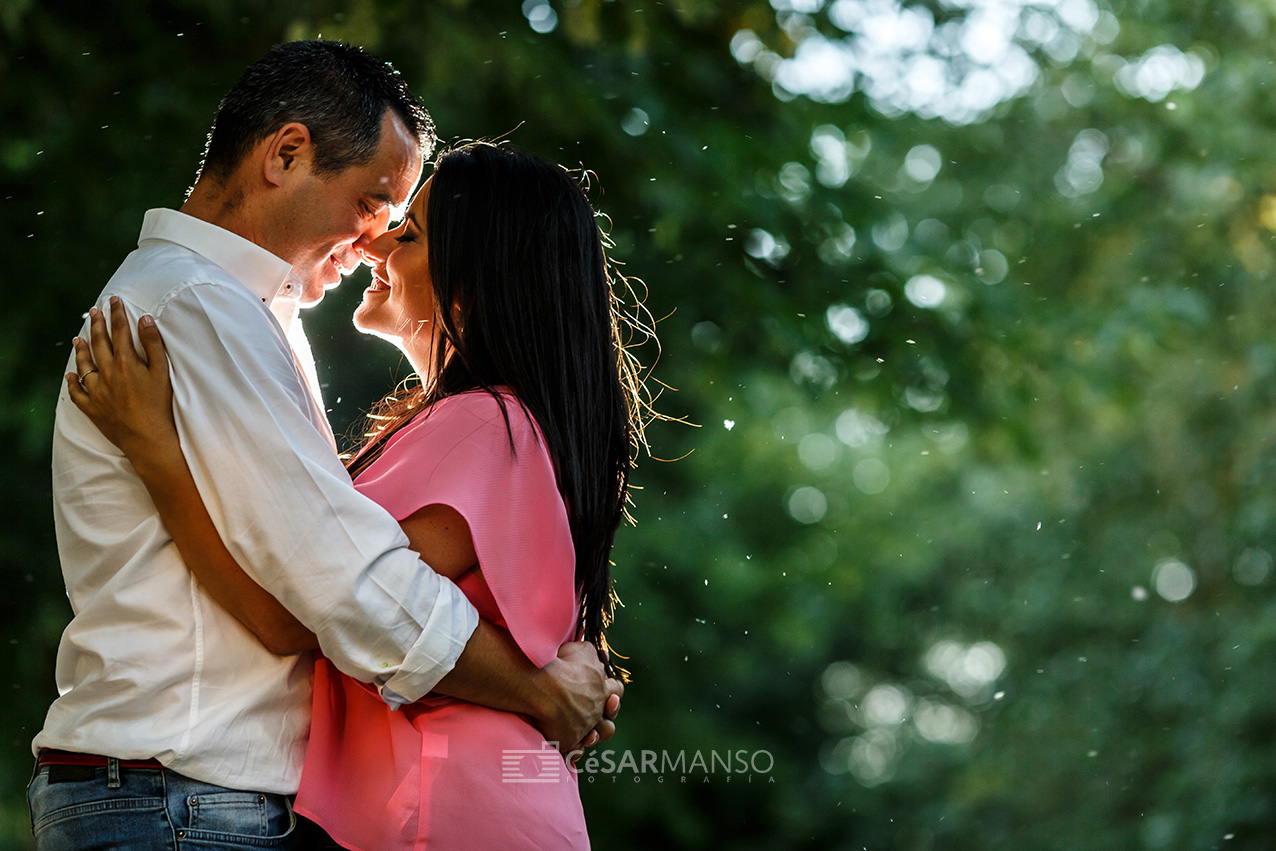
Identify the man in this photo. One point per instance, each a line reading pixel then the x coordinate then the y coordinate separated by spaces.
pixel 173 720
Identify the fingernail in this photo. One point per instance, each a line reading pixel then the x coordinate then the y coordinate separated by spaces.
pixel 148 320
pixel 75 341
pixel 115 299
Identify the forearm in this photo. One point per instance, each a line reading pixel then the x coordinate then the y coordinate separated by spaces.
pixel 565 699
pixel 492 671
pixel 164 471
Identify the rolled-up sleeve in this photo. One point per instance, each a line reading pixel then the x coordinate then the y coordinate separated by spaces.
pixel 286 508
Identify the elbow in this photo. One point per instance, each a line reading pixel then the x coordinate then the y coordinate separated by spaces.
pixel 285 641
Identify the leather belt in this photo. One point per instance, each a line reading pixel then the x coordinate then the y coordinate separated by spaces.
pixel 49 756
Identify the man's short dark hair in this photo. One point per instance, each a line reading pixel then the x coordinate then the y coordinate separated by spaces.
pixel 340 93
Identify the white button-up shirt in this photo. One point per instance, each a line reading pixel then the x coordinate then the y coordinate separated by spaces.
pixel 150 666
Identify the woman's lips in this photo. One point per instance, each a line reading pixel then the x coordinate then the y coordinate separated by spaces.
pixel 378 283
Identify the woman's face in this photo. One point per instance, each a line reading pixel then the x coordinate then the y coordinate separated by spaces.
pixel 399 305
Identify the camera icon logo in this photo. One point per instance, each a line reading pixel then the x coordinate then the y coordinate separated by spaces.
pixel 527 765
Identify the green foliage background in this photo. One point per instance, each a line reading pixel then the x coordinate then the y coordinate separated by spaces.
pixel 1019 463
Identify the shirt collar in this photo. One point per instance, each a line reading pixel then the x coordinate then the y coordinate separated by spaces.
pixel 264 274
pixel 287 302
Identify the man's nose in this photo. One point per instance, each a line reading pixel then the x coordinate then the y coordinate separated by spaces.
pixel 372 251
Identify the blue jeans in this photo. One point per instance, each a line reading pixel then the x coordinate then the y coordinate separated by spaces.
pixel 147 809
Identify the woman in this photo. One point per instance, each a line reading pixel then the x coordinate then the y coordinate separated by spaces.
pixel 507 467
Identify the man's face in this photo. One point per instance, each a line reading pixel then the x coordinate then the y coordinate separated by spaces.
pixel 329 217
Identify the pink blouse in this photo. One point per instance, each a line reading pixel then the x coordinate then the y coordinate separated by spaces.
pixel 442 773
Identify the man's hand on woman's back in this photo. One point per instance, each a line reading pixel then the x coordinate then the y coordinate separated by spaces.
pixel 581 700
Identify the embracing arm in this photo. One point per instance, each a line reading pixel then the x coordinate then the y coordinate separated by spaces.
pixel 563 697
pixel 136 415
pixel 163 469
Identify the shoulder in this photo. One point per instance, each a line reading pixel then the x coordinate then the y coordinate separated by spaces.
pixel 477 419
pixel 212 324
pixel 460 452
pixel 155 274
pixel 487 408
pixel 484 411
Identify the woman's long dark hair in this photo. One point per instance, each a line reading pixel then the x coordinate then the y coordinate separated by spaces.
pixel 515 246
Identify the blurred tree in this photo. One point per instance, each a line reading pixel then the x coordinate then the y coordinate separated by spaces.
pixel 970 301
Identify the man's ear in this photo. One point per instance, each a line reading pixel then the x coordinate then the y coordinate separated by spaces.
pixel 288 152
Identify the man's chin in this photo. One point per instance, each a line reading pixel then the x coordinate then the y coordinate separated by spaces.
pixel 313 290
pixel 312 293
